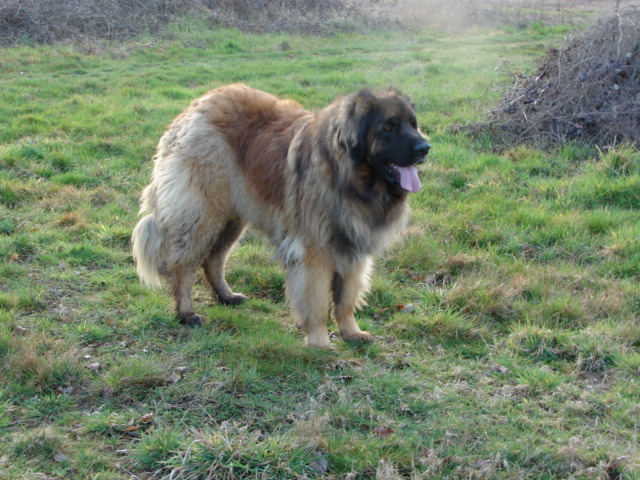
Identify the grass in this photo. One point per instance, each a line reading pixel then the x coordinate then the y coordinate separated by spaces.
pixel 518 359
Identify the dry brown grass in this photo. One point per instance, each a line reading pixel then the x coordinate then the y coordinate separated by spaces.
pixel 46 21
pixel 301 16
pixel 42 362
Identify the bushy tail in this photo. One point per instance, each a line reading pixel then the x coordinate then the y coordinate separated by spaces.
pixel 148 250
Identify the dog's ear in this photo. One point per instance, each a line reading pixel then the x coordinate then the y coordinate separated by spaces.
pixel 397 93
pixel 359 113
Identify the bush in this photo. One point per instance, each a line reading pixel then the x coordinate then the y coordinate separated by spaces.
pixel 586 91
pixel 46 21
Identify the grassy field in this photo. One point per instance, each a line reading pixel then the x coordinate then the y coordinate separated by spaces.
pixel 519 356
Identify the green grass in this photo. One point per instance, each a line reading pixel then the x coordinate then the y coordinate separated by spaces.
pixel 519 359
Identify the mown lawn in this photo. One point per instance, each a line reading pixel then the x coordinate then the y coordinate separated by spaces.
pixel 518 355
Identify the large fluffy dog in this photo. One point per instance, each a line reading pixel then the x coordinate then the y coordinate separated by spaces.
pixel 328 188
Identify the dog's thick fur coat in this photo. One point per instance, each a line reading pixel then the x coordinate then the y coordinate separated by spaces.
pixel 328 188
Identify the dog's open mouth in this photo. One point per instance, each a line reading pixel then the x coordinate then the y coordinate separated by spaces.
pixel 407 177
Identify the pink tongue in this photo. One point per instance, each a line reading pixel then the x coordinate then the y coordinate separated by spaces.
pixel 409 179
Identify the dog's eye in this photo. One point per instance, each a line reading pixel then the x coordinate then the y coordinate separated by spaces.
pixel 391 125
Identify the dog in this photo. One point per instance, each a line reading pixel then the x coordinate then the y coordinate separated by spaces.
pixel 329 189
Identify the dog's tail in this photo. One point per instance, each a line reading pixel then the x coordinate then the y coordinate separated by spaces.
pixel 148 250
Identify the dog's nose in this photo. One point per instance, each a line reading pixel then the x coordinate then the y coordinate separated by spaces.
pixel 421 149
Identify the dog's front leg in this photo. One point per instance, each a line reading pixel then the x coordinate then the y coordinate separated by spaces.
pixel 308 284
pixel 348 290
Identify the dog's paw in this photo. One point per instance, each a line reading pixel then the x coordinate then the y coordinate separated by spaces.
pixel 235 299
pixel 194 320
pixel 360 337
pixel 319 339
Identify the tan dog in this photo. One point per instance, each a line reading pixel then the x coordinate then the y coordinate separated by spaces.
pixel 328 188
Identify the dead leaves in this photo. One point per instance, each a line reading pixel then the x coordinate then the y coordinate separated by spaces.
pixel 319 464
pixel 64 390
pixel 379 431
pixel 20 330
pixel 383 432
pixel 408 308
pixel 134 428
pixel 93 366
pixel 178 374
pixel 60 458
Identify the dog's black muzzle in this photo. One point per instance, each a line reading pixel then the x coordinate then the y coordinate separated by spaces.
pixel 421 150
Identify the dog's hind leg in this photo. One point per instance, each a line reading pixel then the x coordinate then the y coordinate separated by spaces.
pixel 181 280
pixel 191 241
pixel 215 262
pixel 347 292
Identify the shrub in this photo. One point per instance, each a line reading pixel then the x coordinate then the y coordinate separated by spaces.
pixel 587 90
pixel 46 21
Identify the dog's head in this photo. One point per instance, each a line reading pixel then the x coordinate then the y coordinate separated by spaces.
pixel 386 137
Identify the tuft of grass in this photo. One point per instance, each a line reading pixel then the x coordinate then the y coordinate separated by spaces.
pixel 489 302
pixel 48 407
pixel 444 325
pixel 132 378
pixel 628 362
pixel 71 219
pixel 6 410
pixel 157 448
pixel 40 364
pixel 538 378
pixel 622 160
pixel 7 226
pixel 593 352
pixel 239 453
pixel 537 343
pixel 88 254
pixel 105 423
pixel 41 443
pixel 77 179
pixel 91 334
pixel 9 195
